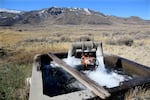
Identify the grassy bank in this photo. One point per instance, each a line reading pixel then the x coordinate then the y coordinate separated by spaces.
pixel 12 79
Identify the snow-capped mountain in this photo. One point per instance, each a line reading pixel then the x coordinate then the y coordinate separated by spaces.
pixel 56 15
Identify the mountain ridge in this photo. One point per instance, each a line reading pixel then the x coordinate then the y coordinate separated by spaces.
pixel 63 16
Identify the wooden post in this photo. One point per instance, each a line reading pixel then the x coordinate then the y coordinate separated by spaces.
pixel 97 89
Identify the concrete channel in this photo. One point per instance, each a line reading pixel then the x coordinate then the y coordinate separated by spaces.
pixel 140 74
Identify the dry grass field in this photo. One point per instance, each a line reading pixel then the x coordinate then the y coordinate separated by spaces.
pixel 19 44
pixel 22 43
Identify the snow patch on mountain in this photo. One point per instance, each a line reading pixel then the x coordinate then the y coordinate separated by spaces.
pixel 87 11
pixel 9 10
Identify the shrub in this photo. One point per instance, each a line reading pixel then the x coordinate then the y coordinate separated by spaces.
pixel 64 39
pixel 122 41
pixel 12 79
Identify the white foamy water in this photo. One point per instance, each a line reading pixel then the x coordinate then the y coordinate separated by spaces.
pixel 100 75
pixel 100 62
pixel 72 61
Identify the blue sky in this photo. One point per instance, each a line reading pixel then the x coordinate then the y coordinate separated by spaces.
pixel 122 8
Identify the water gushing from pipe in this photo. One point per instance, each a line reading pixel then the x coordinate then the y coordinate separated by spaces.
pixel 104 78
pixel 100 75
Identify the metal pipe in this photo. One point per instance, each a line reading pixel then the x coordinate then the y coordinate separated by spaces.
pixel 99 51
pixel 88 45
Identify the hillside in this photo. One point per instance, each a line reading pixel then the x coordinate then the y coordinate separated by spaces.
pixel 63 16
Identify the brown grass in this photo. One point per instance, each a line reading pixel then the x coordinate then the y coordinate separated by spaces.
pixel 138 93
pixel 19 47
pixel 26 54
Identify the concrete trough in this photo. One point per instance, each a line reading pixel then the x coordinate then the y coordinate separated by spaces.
pixel 52 83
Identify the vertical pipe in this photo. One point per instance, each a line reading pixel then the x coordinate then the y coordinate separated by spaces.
pixel 99 51
pixel 82 48
pixel 70 52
